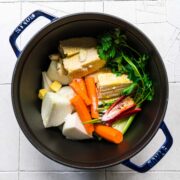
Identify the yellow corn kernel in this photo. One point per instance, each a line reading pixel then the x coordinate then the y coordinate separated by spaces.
pixel 55 86
pixel 42 93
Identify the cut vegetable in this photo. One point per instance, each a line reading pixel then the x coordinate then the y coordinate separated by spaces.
pixel 55 86
pixel 131 111
pixel 110 86
pixel 83 112
pixel 117 109
pixel 98 72
pixel 54 57
pixel 52 71
pixel 123 124
pixel 92 93
pixel 72 46
pixel 46 82
pixel 81 84
pixel 109 133
pixel 42 93
pixel 80 91
pixel 73 128
pixel 63 75
pixel 120 124
pixel 129 122
pixel 77 68
pixel 54 110
pixel 67 92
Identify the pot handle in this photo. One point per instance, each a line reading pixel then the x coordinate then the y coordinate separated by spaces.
pixel 156 157
pixel 22 26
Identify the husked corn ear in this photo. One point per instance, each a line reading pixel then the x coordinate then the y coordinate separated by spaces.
pixel 55 86
pixel 42 93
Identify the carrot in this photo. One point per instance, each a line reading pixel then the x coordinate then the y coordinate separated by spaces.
pixel 83 112
pixel 80 90
pixel 92 93
pixel 81 84
pixel 109 133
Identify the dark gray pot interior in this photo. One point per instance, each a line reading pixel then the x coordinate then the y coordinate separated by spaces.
pixel 27 82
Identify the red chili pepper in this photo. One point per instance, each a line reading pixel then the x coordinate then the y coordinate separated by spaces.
pixel 115 103
pixel 123 107
pixel 130 112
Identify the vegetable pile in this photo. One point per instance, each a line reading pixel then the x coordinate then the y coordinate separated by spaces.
pixel 122 58
pixel 95 87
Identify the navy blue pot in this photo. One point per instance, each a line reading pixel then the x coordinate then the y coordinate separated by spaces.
pixel 26 82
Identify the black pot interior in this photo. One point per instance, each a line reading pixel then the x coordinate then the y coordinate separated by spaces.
pixel 27 82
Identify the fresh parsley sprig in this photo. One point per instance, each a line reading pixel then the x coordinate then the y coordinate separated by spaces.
pixel 121 58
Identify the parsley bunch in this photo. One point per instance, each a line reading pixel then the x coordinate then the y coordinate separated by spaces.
pixel 121 58
pixel 110 43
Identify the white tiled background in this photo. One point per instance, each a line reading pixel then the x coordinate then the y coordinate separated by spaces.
pixel 158 19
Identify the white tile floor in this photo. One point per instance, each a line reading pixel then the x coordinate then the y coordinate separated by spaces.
pixel 9 176
pixel 19 160
pixel 9 135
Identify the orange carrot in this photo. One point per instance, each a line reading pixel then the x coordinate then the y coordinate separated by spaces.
pixel 80 90
pixel 83 112
pixel 109 133
pixel 92 93
pixel 81 84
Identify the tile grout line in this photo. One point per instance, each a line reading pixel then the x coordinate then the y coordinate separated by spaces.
pixel 9 1
pixel 84 6
pixel 135 8
pixel 103 6
pixel 87 171
pixel 93 171
pixel 16 1
pixel 1 84
pixel 54 1
pixel 149 172
pixel 106 178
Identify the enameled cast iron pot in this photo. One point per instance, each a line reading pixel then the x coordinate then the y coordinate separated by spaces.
pixel 85 154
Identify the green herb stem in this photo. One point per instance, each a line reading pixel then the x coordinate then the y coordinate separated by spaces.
pixel 132 49
pixel 134 67
pixel 93 121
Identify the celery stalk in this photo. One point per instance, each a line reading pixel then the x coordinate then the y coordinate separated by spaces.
pixel 123 124
pixel 128 123
pixel 120 124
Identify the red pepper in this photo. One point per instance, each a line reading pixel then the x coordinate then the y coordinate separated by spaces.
pixel 130 112
pixel 123 107
pixel 116 102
